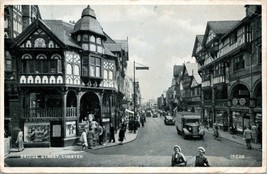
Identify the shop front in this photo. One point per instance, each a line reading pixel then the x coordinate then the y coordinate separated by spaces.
pixel 240 120
pixel 221 118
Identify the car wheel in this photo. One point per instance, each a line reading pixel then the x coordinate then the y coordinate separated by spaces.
pixel 201 137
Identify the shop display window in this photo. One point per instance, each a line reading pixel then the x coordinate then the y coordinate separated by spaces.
pixel 36 132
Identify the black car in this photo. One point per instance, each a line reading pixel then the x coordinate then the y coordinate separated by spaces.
pixel 169 120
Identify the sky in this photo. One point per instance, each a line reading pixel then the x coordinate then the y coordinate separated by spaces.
pixel 159 35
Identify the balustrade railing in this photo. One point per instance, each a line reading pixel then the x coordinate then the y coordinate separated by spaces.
pixel 71 112
pixel 42 112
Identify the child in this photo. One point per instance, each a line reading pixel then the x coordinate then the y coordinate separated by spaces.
pixel 83 139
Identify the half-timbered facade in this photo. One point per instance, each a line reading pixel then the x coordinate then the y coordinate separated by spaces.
pixel 229 56
pixel 64 73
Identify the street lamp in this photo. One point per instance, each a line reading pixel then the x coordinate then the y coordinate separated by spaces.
pixel 142 67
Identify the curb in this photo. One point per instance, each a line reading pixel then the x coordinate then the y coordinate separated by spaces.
pixel 235 141
pixel 112 145
pixel 96 148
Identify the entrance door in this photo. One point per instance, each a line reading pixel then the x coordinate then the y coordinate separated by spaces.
pixel 56 134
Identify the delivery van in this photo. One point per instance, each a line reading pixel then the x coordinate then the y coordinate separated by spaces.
pixel 188 125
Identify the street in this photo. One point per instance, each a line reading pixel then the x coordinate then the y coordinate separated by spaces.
pixel 152 148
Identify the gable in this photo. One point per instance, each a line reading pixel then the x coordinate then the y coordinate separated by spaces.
pixel 39 39
pixel 210 36
pixel 37 35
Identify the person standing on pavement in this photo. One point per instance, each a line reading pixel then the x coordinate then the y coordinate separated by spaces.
pixel 201 159
pixel 121 134
pixel 100 134
pixel 247 135
pixel 83 139
pixel 259 136
pixel 254 133
pixel 112 133
pixel 19 141
pixel 104 134
pixel 142 121
pixel 90 136
pixel 178 159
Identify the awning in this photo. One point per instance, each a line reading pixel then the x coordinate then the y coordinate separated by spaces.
pixel 126 110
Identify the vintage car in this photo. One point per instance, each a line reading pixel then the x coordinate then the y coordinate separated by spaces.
pixel 187 125
pixel 169 120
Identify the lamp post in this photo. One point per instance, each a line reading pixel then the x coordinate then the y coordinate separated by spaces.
pixel 142 67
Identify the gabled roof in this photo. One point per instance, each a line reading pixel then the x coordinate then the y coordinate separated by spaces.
pixel 124 44
pixel 62 30
pixel 114 47
pixel 32 28
pixel 199 39
pixel 191 68
pixel 109 39
pixel 219 28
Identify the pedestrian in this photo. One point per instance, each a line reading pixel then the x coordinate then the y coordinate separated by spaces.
pixel 124 125
pixel 201 159
pixel 100 134
pixel 178 159
pixel 247 136
pixel 254 133
pixel 19 141
pixel 104 134
pixel 90 137
pixel 121 135
pixel 83 139
pixel 142 121
pixel 259 137
pixel 112 133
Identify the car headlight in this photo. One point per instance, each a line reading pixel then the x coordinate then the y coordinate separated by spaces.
pixel 190 128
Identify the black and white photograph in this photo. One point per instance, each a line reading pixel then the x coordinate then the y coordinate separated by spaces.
pixel 133 86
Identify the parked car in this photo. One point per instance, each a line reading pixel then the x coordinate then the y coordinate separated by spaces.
pixel 169 120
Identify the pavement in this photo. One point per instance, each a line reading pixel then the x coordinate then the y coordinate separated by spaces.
pixel 234 138
pixel 130 136
pixel 35 152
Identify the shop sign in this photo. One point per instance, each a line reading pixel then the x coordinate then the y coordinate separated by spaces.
pixel 242 101
pixel 235 101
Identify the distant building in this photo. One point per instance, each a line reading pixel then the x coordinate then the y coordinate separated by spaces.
pixel 190 86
